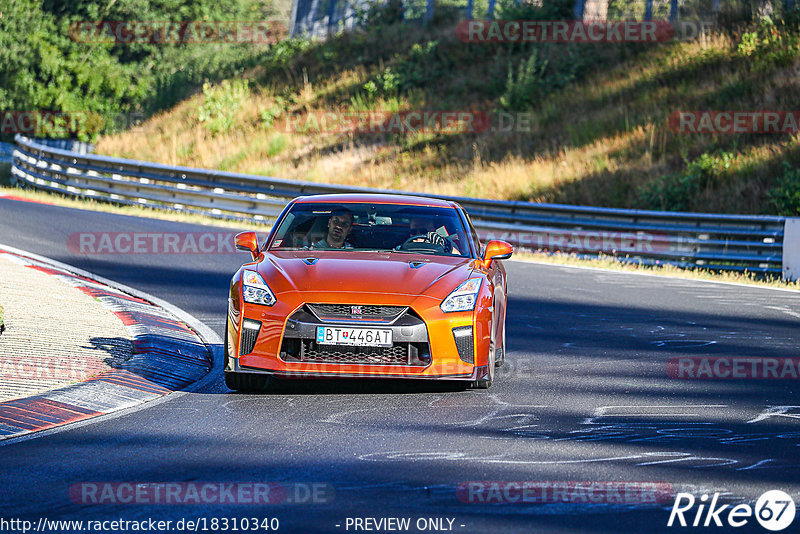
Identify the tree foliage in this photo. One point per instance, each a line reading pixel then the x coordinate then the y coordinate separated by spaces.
pixel 43 68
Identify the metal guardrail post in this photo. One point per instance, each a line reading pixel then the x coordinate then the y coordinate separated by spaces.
pixel 791 249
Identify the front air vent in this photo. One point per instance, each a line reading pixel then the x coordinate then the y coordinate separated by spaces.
pixel 464 344
pixel 250 330
pixel 309 351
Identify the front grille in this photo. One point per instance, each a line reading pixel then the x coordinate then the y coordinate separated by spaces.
pixel 464 344
pixel 346 311
pixel 307 350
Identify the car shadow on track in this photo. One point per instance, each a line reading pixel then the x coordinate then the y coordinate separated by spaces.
pixel 311 386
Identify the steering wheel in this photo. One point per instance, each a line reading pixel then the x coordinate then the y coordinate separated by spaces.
pixel 427 246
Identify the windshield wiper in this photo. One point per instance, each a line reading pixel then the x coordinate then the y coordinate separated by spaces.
pixel 423 252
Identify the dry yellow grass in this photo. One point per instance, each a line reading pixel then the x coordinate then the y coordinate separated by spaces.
pixel 380 165
pixel 608 262
pixel 596 142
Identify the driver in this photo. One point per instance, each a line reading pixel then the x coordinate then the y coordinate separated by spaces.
pixel 339 225
pixel 425 230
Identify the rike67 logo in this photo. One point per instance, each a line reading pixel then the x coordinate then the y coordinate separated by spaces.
pixel 774 511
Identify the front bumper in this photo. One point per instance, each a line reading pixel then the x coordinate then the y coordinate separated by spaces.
pixel 426 333
pixel 410 343
pixel 233 366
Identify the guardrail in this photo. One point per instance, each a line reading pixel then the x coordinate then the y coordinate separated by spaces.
pixel 710 241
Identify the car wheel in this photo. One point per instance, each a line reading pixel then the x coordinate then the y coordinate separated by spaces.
pixel 486 381
pixel 500 357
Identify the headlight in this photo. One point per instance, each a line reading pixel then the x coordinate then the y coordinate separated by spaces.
pixel 463 297
pixel 256 291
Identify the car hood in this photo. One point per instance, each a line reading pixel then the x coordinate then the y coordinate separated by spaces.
pixel 364 272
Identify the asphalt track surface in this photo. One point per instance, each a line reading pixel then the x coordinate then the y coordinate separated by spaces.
pixel 586 396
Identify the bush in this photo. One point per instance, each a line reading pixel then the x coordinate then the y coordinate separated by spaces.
pixel 548 10
pixel 281 54
pixel 770 44
pixel 380 14
pixel 276 111
pixel 538 75
pixel 785 196
pixel 47 63
pixel 414 69
pixel 221 104
pixel 675 192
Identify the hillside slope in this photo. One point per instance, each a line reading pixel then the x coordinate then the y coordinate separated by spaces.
pixel 595 118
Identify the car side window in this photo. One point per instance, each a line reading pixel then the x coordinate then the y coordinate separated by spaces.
pixel 474 233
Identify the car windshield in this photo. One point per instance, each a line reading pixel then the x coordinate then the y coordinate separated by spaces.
pixel 375 227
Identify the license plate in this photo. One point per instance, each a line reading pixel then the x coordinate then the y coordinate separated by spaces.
pixel 359 337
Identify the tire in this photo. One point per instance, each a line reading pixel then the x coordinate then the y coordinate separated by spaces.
pixel 500 357
pixel 245 381
pixel 486 382
pixel 242 381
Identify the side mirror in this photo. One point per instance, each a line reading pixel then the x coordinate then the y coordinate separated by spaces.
pixel 496 250
pixel 247 241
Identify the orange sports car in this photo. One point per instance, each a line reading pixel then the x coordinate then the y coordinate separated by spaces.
pixel 372 286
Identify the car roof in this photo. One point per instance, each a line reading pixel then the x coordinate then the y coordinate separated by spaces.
pixel 376 198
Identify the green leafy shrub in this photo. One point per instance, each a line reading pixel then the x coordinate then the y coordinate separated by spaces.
pixel 379 14
pixel 276 111
pixel 49 62
pixel 538 75
pixel 385 83
pixel 523 89
pixel 748 44
pixel 549 10
pixel 785 196
pixel 770 44
pixel 414 69
pixel 221 103
pixel 281 54
pixel 675 192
